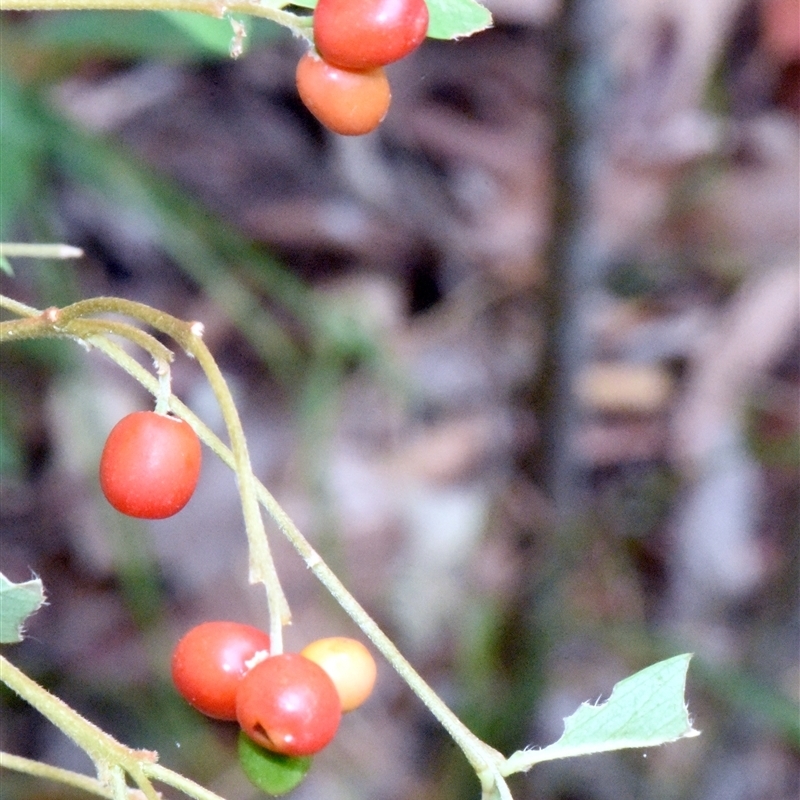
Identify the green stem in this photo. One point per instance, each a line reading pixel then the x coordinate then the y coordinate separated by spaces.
pixel 479 754
pixel 91 785
pixel 15 307
pixel 174 779
pixel 119 786
pixel 262 568
pixel 64 776
pixel 24 250
pixel 83 329
pixel 300 26
pixel 102 748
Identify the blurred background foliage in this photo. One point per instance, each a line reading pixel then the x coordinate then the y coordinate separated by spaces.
pixel 523 365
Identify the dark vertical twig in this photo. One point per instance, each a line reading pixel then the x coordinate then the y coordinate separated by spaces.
pixel 533 619
pixel 574 264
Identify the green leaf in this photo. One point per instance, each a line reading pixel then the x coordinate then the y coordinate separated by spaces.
pixel 644 710
pixel 273 773
pixel 450 19
pixel 453 19
pixel 5 266
pixel 17 602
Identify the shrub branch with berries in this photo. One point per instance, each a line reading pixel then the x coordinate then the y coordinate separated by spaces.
pixel 340 79
pixel 287 705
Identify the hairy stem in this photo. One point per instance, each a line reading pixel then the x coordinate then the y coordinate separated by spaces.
pixel 64 776
pixel 93 786
pixel 102 748
pixel 269 9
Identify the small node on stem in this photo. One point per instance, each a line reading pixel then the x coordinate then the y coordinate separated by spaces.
pixel 164 386
pixel 197 329
pixel 162 367
pixel 51 315
pixel 313 560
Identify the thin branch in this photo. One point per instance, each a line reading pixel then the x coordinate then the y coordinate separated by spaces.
pixel 64 776
pixel 100 746
pixel 299 25
pixel 25 250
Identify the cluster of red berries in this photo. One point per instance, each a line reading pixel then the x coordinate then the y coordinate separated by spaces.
pixel 288 705
pixel 343 83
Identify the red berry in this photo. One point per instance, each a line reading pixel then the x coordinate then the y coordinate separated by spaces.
pixel 289 705
pixel 362 34
pixel 150 465
pixel 208 665
pixel 346 101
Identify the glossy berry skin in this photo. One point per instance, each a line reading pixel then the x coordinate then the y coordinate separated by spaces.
pixel 350 665
pixel 345 101
pixel 289 705
pixel 208 664
pixel 363 34
pixel 150 465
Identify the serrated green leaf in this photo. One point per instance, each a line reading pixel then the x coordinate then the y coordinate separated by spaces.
pixel 454 19
pixel 450 19
pixel 17 602
pixel 645 710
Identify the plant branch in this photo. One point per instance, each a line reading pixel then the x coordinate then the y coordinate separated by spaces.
pixel 100 746
pixel 480 755
pixel 65 776
pixel 15 307
pixel 486 761
pixel 163 775
pixel 25 250
pixel 188 335
pixel 93 786
pixel 269 9
pixel 83 329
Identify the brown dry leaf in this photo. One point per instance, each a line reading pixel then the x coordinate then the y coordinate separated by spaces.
pixel 624 388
